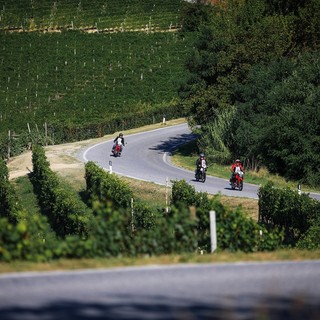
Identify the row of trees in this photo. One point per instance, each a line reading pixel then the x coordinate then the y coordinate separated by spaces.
pixel 254 84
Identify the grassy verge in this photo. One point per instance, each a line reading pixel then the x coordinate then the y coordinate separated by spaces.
pixel 218 257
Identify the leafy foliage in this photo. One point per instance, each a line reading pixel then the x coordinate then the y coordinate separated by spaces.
pixel 106 187
pixel 235 231
pixel 9 204
pixel 255 64
pixel 288 210
pixel 66 213
pixel 278 101
pixel 29 239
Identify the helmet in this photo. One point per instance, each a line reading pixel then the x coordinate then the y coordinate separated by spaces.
pixel 121 135
pixel 201 155
pixel 238 160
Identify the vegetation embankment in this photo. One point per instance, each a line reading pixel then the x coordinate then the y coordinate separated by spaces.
pixel 221 257
pixel 118 224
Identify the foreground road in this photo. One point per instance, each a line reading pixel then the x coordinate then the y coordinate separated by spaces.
pixel 289 290
pixel 147 157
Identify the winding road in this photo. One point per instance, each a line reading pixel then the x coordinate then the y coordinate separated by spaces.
pixel 146 156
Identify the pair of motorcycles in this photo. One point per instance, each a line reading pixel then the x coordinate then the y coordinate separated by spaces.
pixel 236 180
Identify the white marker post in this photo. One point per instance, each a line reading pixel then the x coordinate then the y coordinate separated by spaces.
pixel 164 119
pixel 167 182
pixel 110 166
pixel 213 231
pixel 299 188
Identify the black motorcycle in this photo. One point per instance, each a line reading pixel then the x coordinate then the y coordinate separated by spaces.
pixel 201 174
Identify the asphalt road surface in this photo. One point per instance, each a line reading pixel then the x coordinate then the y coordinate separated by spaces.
pixel 146 156
pixel 270 291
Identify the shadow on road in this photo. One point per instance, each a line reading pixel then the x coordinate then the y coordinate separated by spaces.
pixel 245 307
pixel 172 143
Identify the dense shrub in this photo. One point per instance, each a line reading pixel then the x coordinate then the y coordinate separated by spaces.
pixel 66 213
pixel 235 231
pixel 311 239
pixel 29 239
pixel 106 187
pixel 9 204
pixel 286 209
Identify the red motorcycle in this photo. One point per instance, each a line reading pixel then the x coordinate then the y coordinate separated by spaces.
pixel 237 181
pixel 116 151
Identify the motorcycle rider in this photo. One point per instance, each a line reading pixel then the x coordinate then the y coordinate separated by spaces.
pixel 235 169
pixel 119 140
pixel 201 163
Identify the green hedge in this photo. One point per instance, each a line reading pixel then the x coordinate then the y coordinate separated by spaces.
pixel 286 209
pixel 9 203
pixel 29 239
pixel 235 231
pixel 106 187
pixel 66 213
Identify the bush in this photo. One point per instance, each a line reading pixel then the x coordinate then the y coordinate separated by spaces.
pixel 66 213
pixel 9 204
pixel 235 231
pixel 288 210
pixel 27 240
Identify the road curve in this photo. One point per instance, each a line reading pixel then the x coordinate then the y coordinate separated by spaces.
pixel 146 156
pixel 279 290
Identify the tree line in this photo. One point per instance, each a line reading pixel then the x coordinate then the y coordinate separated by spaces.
pixel 254 84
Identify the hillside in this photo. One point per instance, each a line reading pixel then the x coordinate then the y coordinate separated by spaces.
pixel 73 71
pixel 94 15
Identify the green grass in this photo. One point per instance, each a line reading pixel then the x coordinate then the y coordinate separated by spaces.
pixel 24 191
pixel 217 257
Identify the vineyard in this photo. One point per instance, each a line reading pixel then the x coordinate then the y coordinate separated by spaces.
pixel 106 219
pixel 74 70
pixel 103 15
pixel 71 85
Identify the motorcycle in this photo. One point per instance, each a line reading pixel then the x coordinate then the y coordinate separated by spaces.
pixel 237 181
pixel 200 173
pixel 116 151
